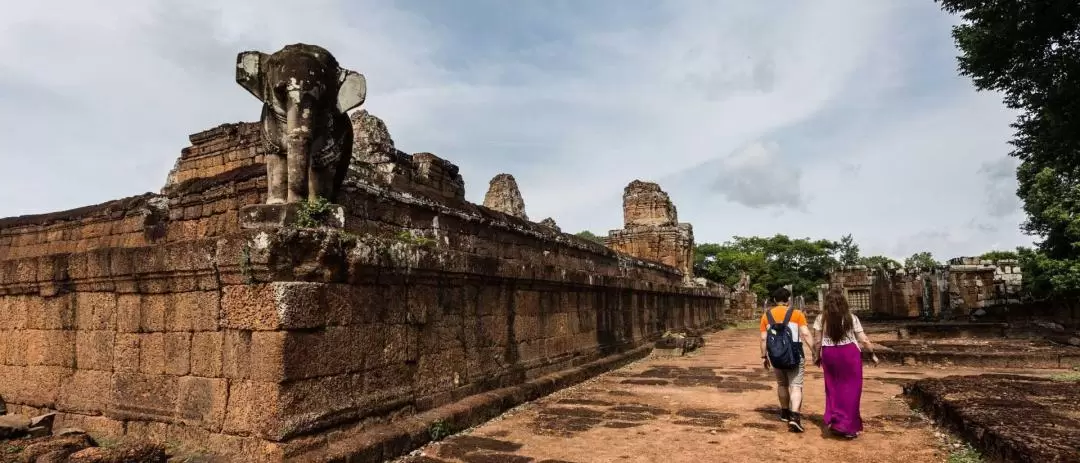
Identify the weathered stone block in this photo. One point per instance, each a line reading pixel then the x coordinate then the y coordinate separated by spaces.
pixel 129 313
pixel 85 391
pixel 143 396
pixel 177 348
pixel 152 353
pixel 202 401
pixel 95 311
pixel 262 216
pixel 253 408
pixel 236 354
pixel 206 353
pixel 272 306
pixel 94 350
pixel 50 347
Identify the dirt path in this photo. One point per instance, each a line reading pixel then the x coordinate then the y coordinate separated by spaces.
pixel 714 405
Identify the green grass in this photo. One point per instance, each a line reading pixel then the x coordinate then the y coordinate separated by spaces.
pixel 746 324
pixel 1072 376
pixel 965 455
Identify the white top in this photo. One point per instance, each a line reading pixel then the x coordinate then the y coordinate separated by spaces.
pixel 849 337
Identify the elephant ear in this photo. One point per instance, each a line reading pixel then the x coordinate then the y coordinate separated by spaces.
pixel 352 90
pixel 249 73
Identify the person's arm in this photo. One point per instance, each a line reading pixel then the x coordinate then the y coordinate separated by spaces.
pixel 860 335
pixel 804 333
pixel 764 354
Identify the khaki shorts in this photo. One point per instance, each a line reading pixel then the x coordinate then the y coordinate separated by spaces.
pixel 790 378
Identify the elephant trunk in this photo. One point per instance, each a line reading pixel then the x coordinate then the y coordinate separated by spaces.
pixel 298 145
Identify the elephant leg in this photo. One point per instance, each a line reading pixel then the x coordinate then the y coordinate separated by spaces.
pixel 341 169
pixel 318 180
pixel 298 174
pixel 276 178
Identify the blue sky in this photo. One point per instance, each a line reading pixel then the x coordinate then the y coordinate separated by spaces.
pixel 806 118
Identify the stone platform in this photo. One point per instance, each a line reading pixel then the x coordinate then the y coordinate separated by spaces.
pixel 1007 417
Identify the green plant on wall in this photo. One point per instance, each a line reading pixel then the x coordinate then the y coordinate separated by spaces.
pixel 311 213
pixel 407 237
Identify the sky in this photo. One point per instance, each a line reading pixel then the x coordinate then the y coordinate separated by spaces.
pixel 811 119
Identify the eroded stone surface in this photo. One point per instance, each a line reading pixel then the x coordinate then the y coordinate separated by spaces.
pixel 1007 417
pixel 550 223
pixel 376 161
pixel 652 230
pixel 503 196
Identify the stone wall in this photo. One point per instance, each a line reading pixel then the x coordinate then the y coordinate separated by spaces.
pixel 158 317
pixel 953 291
pixel 652 230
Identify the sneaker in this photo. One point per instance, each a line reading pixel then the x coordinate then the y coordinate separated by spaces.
pixel 795 423
pixel 785 415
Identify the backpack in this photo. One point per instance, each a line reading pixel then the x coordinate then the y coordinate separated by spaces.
pixel 781 348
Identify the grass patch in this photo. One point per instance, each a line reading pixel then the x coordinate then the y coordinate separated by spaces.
pixel 746 324
pixel 12 449
pixel 1071 376
pixel 965 455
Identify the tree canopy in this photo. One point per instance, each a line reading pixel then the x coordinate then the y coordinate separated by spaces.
pixel 589 236
pixel 1030 51
pixel 921 261
pixel 771 262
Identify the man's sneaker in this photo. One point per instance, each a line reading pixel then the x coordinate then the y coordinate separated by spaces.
pixel 785 415
pixel 795 423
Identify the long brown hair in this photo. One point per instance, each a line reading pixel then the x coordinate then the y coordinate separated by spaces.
pixel 837 315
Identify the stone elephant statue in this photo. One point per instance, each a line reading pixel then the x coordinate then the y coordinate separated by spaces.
pixel 305 95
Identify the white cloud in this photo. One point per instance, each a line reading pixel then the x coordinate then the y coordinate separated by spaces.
pixel 857 103
pixel 755 176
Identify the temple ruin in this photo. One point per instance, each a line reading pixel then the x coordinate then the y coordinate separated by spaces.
pixel 202 316
pixel 652 230
pixel 956 290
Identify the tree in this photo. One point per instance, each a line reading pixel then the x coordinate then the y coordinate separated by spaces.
pixel 921 261
pixel 878 262
pixel 999 255
pixel 589 236
pixel 847 251
pixel 1030 51
pixel 771 263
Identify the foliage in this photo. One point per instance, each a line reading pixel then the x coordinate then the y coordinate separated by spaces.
pixel 440 430
pixel 921 261
pixel 999 255
pixel 1045 277
pixel 589 236
pixel 771 262
pixel 878 261
pixel 405 236
pixel 1030 51
pixel 311 213
pixel 847 251
pixel 965 454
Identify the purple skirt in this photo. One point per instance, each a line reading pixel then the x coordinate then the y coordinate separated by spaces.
pixel 842 367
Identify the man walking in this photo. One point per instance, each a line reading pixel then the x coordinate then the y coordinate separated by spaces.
pixel 783 329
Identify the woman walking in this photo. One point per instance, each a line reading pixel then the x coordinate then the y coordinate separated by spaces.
pixel 837 335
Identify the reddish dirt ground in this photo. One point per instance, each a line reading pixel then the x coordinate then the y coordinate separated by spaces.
pixel 716 404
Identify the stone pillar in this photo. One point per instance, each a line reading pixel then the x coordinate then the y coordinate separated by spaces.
pixel 503 196
pixel 652 230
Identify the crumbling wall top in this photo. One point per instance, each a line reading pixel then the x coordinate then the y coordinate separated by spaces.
pixel 646 205
pixel 504 196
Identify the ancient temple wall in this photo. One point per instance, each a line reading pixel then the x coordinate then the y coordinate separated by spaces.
pixel 159 317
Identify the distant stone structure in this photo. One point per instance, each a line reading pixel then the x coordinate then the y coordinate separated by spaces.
pixel 652 230
pixel 504 196
pixel 956 290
